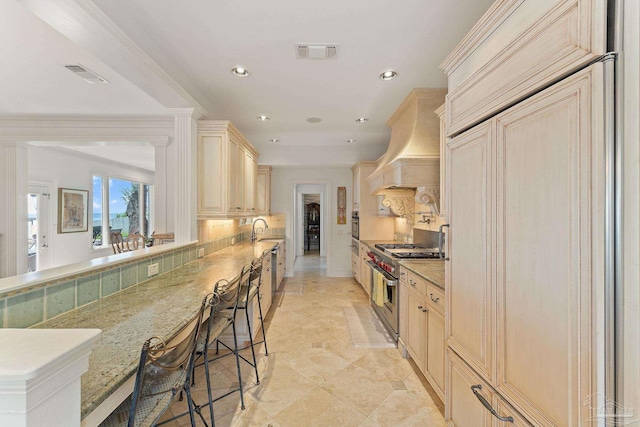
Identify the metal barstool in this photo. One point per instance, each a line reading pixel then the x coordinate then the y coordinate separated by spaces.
pixel 223 304
pixel 252 291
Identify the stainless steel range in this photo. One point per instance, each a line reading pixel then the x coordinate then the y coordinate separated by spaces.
pixel 385 261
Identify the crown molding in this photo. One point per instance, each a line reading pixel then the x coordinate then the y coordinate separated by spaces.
pixel 156 130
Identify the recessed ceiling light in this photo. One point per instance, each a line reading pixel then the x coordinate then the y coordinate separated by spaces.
pixel 351 141
pixel 314 119
pixel 274 140
pixel 362 120
pixel 263 118
pixel 388 75
pixel 240 71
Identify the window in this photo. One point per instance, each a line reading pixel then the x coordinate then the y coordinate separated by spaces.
pixel 120 205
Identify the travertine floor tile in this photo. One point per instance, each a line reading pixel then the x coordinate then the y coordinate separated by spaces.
pixel 313 376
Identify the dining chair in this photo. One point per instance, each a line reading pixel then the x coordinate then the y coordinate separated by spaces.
pixel 164 369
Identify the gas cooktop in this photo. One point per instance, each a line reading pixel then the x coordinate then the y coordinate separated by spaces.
pixel 407 250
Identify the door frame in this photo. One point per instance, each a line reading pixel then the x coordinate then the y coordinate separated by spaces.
pixel 301 187
pixel 43 260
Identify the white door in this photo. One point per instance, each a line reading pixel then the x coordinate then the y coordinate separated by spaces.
pixel 38 227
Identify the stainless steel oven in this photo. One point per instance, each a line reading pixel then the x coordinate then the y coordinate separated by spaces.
pixel 386 305
pixel 355 226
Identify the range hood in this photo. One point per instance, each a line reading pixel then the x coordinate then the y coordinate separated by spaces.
pixel 413 157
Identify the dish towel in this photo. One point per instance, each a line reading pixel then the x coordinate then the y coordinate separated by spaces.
pixel 378 288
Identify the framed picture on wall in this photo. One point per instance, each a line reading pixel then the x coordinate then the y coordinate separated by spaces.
pixel 72 210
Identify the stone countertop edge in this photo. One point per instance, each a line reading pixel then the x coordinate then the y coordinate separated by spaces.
pixel 29 280
pixel 429 269
pixel 157 307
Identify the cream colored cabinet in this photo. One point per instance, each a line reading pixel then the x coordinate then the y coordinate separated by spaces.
pixel 227 174
pixel 529 252
pixel 282 262
pixel 365 270
pixel 263 190
pixel 422 326
pixel 355 266
pixel 266 288
pixel 403 307
pixel 440 112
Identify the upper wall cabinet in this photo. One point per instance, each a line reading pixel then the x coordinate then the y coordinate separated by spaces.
pixel 227 171
pixel 516 49
pixel 263 199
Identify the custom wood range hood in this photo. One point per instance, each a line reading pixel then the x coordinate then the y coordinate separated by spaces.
pixel 412 160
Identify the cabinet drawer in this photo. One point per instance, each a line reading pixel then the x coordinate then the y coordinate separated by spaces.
pixel 435 297
pixel 463 408
pixel 403 275
pixel 417 283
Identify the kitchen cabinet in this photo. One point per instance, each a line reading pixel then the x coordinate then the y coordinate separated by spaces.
pixel 355 266
pixel 282 262
pixel 375 224
pixel 227 171
pixel 441 113
pixel 263 190
pixel 365 270
pixel 422 327
pixel 543 152
pixel 525 195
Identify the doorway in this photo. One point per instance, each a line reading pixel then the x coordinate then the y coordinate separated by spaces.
pixel 38 254
pixel 320 189
pixel 311 225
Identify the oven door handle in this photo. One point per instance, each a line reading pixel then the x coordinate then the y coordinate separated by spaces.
pixel 389 279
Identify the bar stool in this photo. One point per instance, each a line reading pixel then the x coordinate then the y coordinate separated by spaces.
pixel 165 368
pixel 223 305
pixel 252 291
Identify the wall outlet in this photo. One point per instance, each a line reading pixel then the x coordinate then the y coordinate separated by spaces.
pixel 153 269
pixel 200 252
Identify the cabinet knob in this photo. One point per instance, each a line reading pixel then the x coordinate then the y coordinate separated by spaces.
pixel 424 310
pixel 419 307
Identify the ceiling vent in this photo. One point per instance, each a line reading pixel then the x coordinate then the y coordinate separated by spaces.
pixel 316 51
pixel 85 73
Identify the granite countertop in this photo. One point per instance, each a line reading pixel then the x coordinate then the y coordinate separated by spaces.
pixel 428 269
pixel 157 307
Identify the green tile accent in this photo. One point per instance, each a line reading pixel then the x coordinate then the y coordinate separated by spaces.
pixel 110 282
pixel 2 310
pixel 129 275
pixel 167 263
pixel 61 298
pixel 24 310
pixel 88 289
pixel 185 256
pixel 192 253
pixel 177 259
pixel 143 270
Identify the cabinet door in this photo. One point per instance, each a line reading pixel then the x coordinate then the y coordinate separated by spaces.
pixel 212 173
pixel 356 188
pixel 265 288
pixel 263 190
pixel 468 280
pixel 416 328
pixel 550 164
pixel 435 351
pixel 235 181
pixel 250 174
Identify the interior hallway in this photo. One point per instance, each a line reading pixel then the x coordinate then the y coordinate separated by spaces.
pixel 313 375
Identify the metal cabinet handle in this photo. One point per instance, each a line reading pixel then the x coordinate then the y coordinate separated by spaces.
pixel 402 273
pixel 481 398
pixel 434 299
pixel 412 283
pixel 424 310
pixel 441 242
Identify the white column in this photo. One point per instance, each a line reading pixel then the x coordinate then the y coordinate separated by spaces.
pixel 185 225
pixel 160 192
pixel 40 372
pixel 13 215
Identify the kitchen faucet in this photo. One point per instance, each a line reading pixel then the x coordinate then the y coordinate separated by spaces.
pixel 254 236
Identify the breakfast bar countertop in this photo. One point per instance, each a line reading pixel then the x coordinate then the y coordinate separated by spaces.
pixel 157 307
pixel 431 270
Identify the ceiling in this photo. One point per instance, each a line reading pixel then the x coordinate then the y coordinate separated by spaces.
pixel 167 54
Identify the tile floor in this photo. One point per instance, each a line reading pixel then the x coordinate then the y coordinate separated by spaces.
pixel 313 375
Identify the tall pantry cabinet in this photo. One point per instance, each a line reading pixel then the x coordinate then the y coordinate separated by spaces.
pixel 525 196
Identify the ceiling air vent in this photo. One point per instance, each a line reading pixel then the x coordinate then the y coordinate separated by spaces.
pixel 85 73
pixel 316 51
